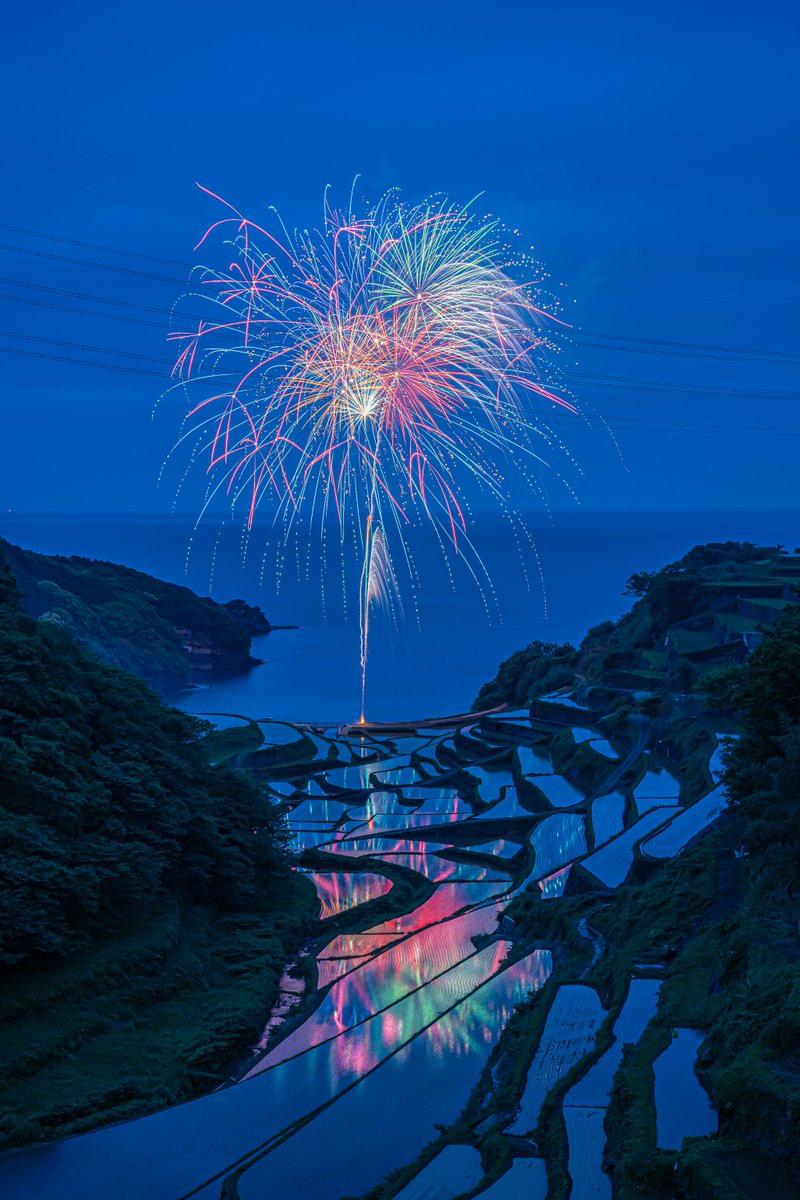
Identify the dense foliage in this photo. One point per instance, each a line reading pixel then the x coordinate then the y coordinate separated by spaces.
pixel 683 621
pixel 763 775
pixel 131 619
pixel 540 667
pixel 107 803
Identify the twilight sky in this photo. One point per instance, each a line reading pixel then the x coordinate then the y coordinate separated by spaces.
pixel 648 152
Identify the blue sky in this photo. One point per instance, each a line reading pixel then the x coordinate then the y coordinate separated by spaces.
pixel 648 152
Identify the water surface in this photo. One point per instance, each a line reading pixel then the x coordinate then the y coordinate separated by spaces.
pixel 450 640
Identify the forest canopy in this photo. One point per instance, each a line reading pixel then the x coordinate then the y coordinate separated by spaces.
pixel 107 801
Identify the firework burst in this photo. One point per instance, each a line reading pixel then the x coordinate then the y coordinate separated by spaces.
pixel 369 369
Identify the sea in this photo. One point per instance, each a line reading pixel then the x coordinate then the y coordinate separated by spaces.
pixel 452 620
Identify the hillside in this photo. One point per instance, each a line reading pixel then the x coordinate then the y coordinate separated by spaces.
pixel 710 647
pixel 164 633
pixel 146 903
pixel 708 609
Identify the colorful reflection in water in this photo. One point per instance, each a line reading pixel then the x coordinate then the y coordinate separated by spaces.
pixel 398 1105
pixel 398 775
pixel 442 801
pixel 329 969
pixel 442 955
pixel 290 992
pixel 499 848
pixel 446 901
pixel 355 945
pixel 319 810
pixel 438 869
pixel 339 891
pixel 556 841
pixel 305 837
pixel 376 802
pixel 357 845
pixel 407 1010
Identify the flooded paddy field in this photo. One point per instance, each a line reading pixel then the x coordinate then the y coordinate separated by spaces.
pixel 683 1108
pixel 416 846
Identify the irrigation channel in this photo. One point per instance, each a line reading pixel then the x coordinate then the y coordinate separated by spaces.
pixel 416 841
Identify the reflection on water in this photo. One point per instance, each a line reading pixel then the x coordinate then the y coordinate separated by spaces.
pixel 558 790
pixel 491 781
pixel 338 891
pixel 448 899
pixel 404 1013
pixel 533 760
pixel 683 1108
pixel 611 864
pixel 575 1016
pixel 454 1170
pixel 397 1107
pixel 607 817
pixel 553 885
pixel 443 953
pixel 556 841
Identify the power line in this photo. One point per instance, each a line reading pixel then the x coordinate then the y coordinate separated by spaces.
pixel 722 294
pixel 84 262
pixel 619 337
pixel 84 312
pixel 639 346
pixel 54 162
pixel 54 237
pixel 74 187
pixel 716 353
pixel 573 336
pixel 601 381
pixel 41 287
pixel 79 361
pixel 594 382
pixel 694 389
pixel 611 421
pixel 33 337
pixel 187 266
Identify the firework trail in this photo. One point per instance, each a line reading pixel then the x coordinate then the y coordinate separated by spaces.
pixel 378 586
pixel 368 370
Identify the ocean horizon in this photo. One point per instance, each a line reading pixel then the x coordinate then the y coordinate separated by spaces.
pixel 450 635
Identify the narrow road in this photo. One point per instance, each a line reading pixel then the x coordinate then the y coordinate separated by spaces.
pixel 596 940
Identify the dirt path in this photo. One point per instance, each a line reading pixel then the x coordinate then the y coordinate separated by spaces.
pixel 596 940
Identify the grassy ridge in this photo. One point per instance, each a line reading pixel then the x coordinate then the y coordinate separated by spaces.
pixel 141 1021
pixel 725 926
pixel 146 902
pixel 132 620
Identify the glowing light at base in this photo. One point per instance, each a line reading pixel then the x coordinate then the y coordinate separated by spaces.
pixel 380 370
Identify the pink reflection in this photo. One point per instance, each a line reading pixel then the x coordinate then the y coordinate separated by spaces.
pixel 329 969
pixel 449 898
pixel 437 870
pixel 362 1048
pixel 350 945
pixel 338 891
pixel 417 854
pixel 394 974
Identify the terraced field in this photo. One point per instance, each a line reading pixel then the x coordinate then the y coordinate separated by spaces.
pixel 416 845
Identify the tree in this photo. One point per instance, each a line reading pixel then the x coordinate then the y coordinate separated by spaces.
pixel 107 802
pixel 639 583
